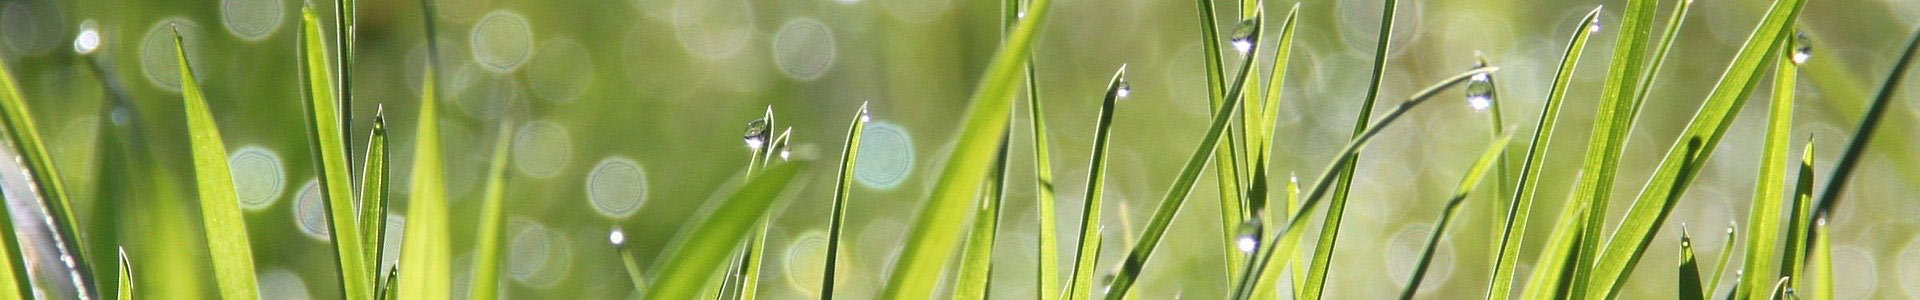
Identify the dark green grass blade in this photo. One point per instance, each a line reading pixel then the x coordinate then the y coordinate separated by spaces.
pixel 424 253
pixel 124 288
pixel 1863 134
pixel 13 271
pixel 1763 218
pixel 937 229
pixel 329 149
pixel 1821 255
pixel 344 14
pixel 486 245
pixel 976 268
pixel 1689 271
pixel 1611 126
pixel 1080 285
pixel 1299 218
pixel 373 196
pixel 52 194
pixel 225 227
pixel 1468 182
pixel 1521 206
pixel 1177 194
pixel 706 247
pixel 841 191
pixel 1336 211
pixel 1793 263
pixel 388 285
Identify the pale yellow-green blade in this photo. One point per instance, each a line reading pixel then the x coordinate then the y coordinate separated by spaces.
pixel 325 135
pixel 424 253
pixel 225 227
pixel 486 245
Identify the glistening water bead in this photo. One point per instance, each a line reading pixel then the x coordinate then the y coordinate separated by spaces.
pixel 1248 239
pixel 1802 48
pixel 1480 89
pixel 89 38
pixel 756 136
pixel 1243 35
pixel 1124 89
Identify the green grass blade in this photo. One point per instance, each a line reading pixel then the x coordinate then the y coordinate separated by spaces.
pixel 1611 126
pixel 373 196
pixel 1514 231
pixel 1710 123
pixel 976 268
pixel 628 259
pixel 13 269
pixel 937 228
pixel 1257 191
pixel 388 286
pixel 46 180
pixel 1080 285
pixel 706 247
pixel 747 276
pixel 1689 271
pixel 841 191
pixel 329 149
pixel 1720 264
pixel 1763 218
pixel 1503 181
pixel 1862 135
pixel 1336 211
pixel 1048 269
pixel 226 229
pixel 1224 163
pixel 1780 288
pixel 424 252
pixel 1822 264
pixel 486 244
pixel 1793 263
pixel 1550 267
pixel 1676 20
pixel 344 14
pixel 1472 179
pixel 124 289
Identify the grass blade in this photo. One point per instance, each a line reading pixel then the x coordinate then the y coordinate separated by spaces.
pixel 1080 285
pixel 1525 191
pixel 1720 265
pixel 1793 263
pixel 977 266
pixel 747 276
pixel 373 196
pixel 329 149
pixel 707 246
pixel 841 191
pixel 1763 219
pixel 13 269
pixel 1224 163
pixel 1467 183
pixel 124 289
pixel 1689 270
pixel 486 245
pixel 1675 21
pixel 1780 288
pixel 1822 264
pixel 226 229
pixel 618 238
pixel 1257 191
pixel 1336 211
pixel 344 27
pixel 1863 134
pixel 1612 125
pixel 1048 266
pixel 424 253
pixel 1554 267
pixel 52 194
pixel 937 228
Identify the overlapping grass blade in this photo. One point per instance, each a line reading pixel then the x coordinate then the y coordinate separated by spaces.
pixel 1763 217
pixel 51 195
pixel 424 253
pixel 1710 123
pixel 1689 276
pixel 373 196
pixel 1821 254
pixel 124 287
pixel 1299 218
pixel 747 276
pixel 1336 211
pixel 1503 182
pixel 1515 229
pixel 1863 134
pixel 1551 267
pixel 841 191
pixel 1612 124
pixel 13 270
pixel 329 149
pixel 1676 20
pixel 486 244
pixel 1224 164
pixel 704 248
pixel 1793 263
pixel 344 15
pixel 1048 266
pixel 1257 190
pixel 1080 285
pixel 937 228
pixel 1467 183
pixel 225 228
pixel 976 268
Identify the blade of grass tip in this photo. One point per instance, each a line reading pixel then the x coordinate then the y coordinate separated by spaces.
pixel 1048 269
pixel 841 191
pixel 46 180
pixel 1263 166
pixel 1177 194
pixel 1487 91
pixel 1612 125
pixel 225 227
pixel 1863 134
pixel 344 27
pixel 748 275
pixel 1299 217
pixel 13 271
pixel 1514 230
pixel 1822 260
pixel 976 269
pixel 1336 211
pixel 1763 217
pixel 707 246
pixel 125 286
pixel 486 244
pixel 1689 270
pixel 1833 77
pixel 937 228
pixel 1780 288
pixel 1793 263
pixel 1710 123
pixel 1080 285
pixel 329 150
pixel 388 284
pixel 1468 182
pixel 1720 264
pixel 423 248
pixel 373 195
pixel 628 259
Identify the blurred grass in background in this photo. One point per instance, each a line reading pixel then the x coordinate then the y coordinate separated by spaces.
pixel 633 111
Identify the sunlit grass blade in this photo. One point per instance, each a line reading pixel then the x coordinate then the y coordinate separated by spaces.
pixel 1336 211
pixel 1080 285
pixel 1048 266
pixel 124 287
pixel 705 248
pixel 424 253
pixel 747 276
pixel 976 267
pixel 841 191
pixel 1720 264
pixel 1689 276
pixel 225 227
pixel 1299 218
pixel 1468 182
pixel 1261 152
pixel 1780 288
pixel 13 268
pixel 1763 217
pixel 618 238
pixel 1551 266
pixel 1821 254
pixel 1611 126
pixel 1514 230
pixel 486 244
pixel 1863 134
pixel 52 195
pixel 373 196
pixel 1224 164
pixel 937 226
pixel 1799 224
pixel 1496 119
pixel 1675 21
pixel 388 284
pixel 329 149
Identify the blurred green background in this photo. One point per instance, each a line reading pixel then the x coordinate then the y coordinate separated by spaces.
pixel 629 114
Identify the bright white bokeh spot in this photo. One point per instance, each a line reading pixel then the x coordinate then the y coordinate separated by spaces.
pixel 30 28
pixel 886 156
pixel 541 149
pixel 1403 255
pixel 804 48
pixel 1360 25
pixel 617 187
pixel 253 20
pixel 502 41
pixel 537 255
pixel 310 211
pixel 282 284
pixel 916 11
pixel 258 176
pixel 157 58
pixel 89 38
pixel 713 29
pixel 617 237
pixel 561 72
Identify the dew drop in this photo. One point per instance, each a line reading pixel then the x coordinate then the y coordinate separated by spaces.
pixel 1480 89
pixel 1802 48
pixel 617 237
pixel 865 115
pixel 1243 36
pixel 89 38
pixel 1594 27
pixel 1248 239
pixel 1123 90
pixel 756 135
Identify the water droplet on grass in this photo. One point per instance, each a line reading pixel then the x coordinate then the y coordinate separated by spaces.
pixel 1124 88
pixel 1248 239
pixel 617 187
pixel 258 176
pixel 1480 89
pixel 1243 35
pixel 89 38
pixel 1802 48
pixel 617 237
pixel 756 136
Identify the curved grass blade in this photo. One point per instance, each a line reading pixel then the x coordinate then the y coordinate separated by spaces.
pixel 1711 122
pixel 1551 268
pixel 1675 21
pixel 52 194
pixel 1863 134
pixel 1611 126
pixel 1793 263
pixel 424 251
pixel 486 245
pixel 977 267
pixel 1299 217
pixel 1763 217
pixel 13 270
pixel 747 276
pixel 1224 162
pixel 1780 288
pixel 618 238
pixel 329 149
pixel 936 231
pixel 226 229
pixel 1467 183
pixel 1080 285
pixel 706 247
pixel 1503 182
pixel 1336 211
pixel 842 189
pixel 1720 265
pixel 1822 256
pixel 124 289
pixel 1689 270
pixel 1833 77
pixel 373 196
pixel 1514 231
pixel 1257 191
